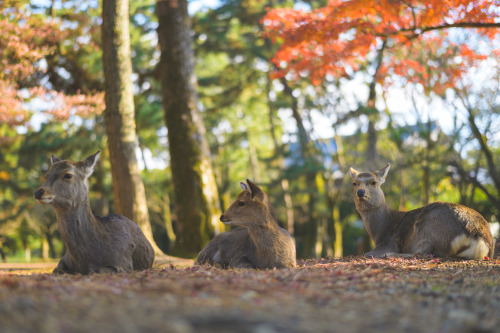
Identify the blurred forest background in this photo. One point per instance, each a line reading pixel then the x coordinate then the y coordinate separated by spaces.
pixel 289 100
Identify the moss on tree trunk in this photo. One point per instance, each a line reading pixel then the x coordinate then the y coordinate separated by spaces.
pixel 128 188
pixel 195 192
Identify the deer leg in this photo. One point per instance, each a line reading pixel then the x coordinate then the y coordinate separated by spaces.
pixel 382 250
pixel 61 268
pixel 399 255
pixel 244 265
pixel 124 266
pixel 242 262
pixel 108 269
pixel 64 266
pixel 424 248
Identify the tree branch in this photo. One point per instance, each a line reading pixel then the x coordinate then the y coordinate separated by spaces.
pixel 473 180
pixel 481 139
pixel 421 30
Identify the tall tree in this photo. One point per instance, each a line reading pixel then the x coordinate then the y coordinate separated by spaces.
pixel 195 191
pixel 128 188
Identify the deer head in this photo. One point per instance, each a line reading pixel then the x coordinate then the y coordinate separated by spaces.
pixel 366 188
pixel 250 208
pixel 66 183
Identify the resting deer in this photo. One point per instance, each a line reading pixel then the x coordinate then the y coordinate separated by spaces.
pixel 93 244
pixel 440 228
pixel 258 242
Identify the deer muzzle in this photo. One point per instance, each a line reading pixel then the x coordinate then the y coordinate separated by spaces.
pixel 39 194
pixel 224 220
pixel 43 196
pixel 361 193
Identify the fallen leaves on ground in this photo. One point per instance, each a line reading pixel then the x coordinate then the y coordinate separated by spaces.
pixel 352 294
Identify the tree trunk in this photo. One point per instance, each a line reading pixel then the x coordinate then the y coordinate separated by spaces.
pixel 371 150
pixel 195 190
pixel 426 179
pixel 128 189
pixel 373 114
pixel 2 255
pixel 311 236
pixel 290 219
pixel 50 243
pixel 27 251
pixel 254 162
pixel 100 205
pixel 45 249
pixel 167 216
pixel 338 250
pixel 485 149
pixel 338 189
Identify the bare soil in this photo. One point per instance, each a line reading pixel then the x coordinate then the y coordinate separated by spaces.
pixel 351 294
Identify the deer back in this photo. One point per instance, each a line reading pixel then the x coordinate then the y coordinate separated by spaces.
pixel 258 242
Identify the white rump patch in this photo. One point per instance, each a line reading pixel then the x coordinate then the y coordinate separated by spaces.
pixel 469 247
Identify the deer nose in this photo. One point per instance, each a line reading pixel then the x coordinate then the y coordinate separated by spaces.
pixel 221 218
pixel 361 193
pixel 39 193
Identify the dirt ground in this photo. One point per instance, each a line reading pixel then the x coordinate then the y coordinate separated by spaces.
pixel 351 294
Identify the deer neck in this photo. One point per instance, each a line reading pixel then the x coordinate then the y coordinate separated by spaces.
pixel 379 222
pixel 77 224
pixel 264 237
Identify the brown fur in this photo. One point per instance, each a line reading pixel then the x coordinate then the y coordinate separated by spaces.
pixel 440 228
pixel 93 244
pixel 258 242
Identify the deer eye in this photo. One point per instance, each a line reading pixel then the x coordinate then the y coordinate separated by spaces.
pixel 373 183
pixel 241 203
pixel 354 184
pixel 68 176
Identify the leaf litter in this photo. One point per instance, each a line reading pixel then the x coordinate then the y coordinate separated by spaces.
pixel 351 294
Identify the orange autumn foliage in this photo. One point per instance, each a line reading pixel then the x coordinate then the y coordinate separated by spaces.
pixel 25 39
pixel 338 38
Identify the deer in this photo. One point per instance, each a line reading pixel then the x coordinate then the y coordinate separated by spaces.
pixel 93 244
pixel 257 241
pixel 440 229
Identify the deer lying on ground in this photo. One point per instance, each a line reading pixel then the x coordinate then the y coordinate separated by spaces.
pixel 93 244
pixel 441 229
pixel 258 242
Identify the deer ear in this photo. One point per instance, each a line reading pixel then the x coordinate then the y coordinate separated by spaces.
pixel 382 173
pixel 353 173
pixel 88 164
pixel 243 186
pixel 255 191
pixel 54 159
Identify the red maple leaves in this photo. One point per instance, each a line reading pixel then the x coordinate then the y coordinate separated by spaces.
pixel 345 34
